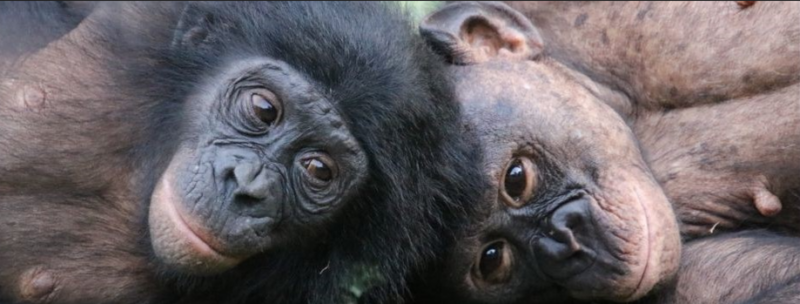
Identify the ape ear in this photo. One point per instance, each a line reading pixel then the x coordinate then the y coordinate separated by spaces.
pixel 195 27
pixel 474 32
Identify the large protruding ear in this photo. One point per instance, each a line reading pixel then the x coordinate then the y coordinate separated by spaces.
pixel 196 27
pixel 474 32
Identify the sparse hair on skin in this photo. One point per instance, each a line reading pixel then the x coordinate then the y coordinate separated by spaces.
pixel 752 266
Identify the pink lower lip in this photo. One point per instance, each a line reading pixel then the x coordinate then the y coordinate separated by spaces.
pixel 200 245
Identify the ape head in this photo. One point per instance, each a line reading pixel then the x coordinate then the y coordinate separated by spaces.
pixel 270 155
pixel 574 212
pixel 301 128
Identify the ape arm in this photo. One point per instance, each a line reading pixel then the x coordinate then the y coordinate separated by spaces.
pixel 788 292
pixel 728 164
pixel 674 54
pixel 758 265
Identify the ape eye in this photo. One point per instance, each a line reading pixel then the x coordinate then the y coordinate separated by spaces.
pixel 320 167
pixel 264 107
pixel 518 182
pixel 494 263
pixel 261 109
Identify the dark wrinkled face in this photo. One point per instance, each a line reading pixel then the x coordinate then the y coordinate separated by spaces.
pixel 265 155
pixel 574 212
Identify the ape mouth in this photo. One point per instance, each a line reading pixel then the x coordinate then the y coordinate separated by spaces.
pixel 641 287
pixel 641 280
pixel 573 270
pixel 579 243
pixel 176 243
pixel 200 241
pixel 634 282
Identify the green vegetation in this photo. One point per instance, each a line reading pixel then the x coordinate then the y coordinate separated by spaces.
pixel 418 9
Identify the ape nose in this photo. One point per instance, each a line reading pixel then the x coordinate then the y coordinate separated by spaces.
pixel 564 251
pixel 250 181
pixel 562 230
pixel 258 189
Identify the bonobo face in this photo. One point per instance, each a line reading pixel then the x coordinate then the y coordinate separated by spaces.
pixel 265 155
pixel 574 211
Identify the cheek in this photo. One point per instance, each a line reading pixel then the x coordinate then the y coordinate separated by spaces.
pixel 637 222
pixel 174 242
pixel 215 207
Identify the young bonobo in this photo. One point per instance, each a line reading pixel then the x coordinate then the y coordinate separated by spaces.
pixel 513 103
pixel 271 152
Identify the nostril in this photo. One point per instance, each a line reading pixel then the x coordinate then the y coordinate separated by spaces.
pixel 246 200
pixel 566 248
pixel 566 238
pixel 566 222
pixel 574 220
pixel 562 231
pixel 570 216
pixel 249 182
pixel 229 181
pixel 560 243
pixel 255 190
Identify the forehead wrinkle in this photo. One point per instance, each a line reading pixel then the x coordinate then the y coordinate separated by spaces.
pixel 547 108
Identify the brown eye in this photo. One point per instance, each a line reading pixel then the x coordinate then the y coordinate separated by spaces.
pixel 519 182
pixel 265 108
pixel 494 263
pixel 320 167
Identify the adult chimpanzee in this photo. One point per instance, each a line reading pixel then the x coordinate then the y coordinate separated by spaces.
pixel 541 119
pixel 275 152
